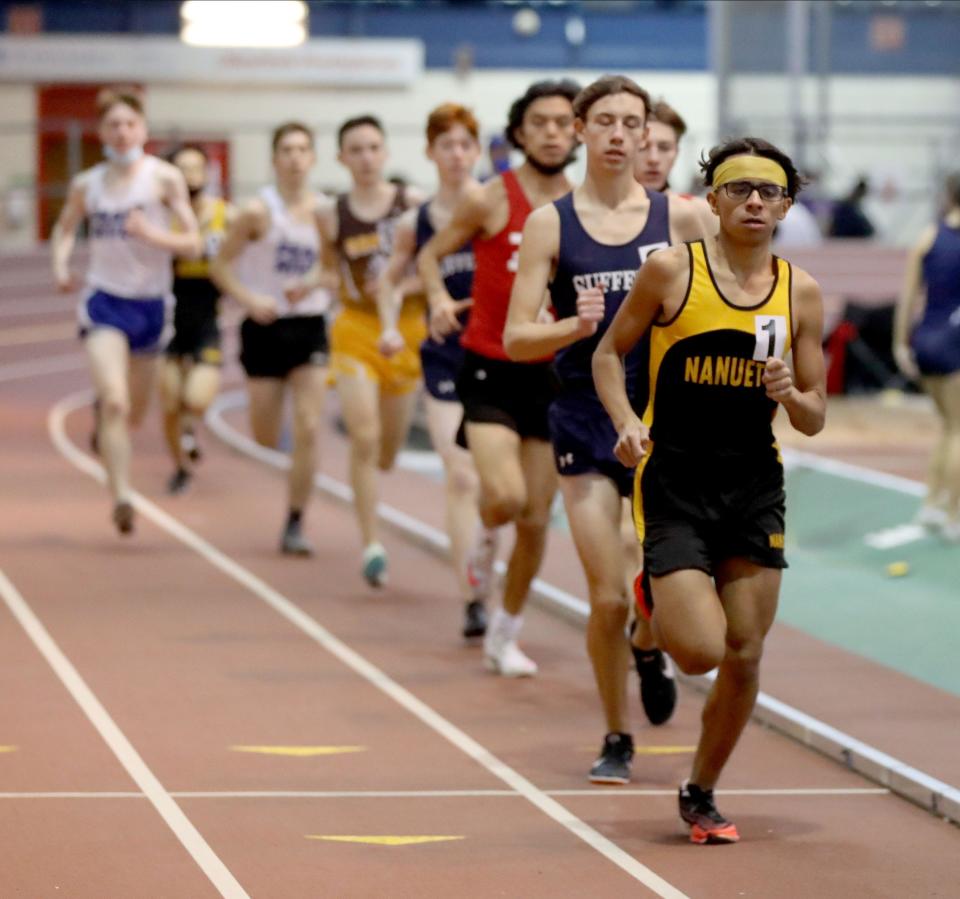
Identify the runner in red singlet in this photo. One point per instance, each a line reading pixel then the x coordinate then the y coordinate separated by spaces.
pixel 505 403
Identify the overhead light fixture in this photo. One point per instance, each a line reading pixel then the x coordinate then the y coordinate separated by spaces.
pixel 243 23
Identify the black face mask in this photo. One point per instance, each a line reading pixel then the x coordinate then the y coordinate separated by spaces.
pixel 548 170
pixel 194 191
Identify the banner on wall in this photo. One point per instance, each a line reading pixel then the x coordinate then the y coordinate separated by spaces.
pixel 345 62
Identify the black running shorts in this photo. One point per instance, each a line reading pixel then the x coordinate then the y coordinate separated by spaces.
pixel 275 350
pixel 693 512
pixel 516 395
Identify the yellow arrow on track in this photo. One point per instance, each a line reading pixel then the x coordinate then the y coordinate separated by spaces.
pixel 381 841
pixel 299 751
pixel 652 750
pixel 8 748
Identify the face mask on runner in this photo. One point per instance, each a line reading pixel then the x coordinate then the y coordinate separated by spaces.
pixel 125 159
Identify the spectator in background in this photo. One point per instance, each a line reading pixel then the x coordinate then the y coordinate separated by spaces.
pixel 798 228
pixel 849 219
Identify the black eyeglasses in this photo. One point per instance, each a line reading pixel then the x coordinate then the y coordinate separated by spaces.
pixel 740 190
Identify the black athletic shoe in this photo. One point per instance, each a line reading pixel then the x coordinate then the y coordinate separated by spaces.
pixel 123 517
pixel 179 482
pixel 658 688
pixel 474 619
pixel 613 765
pixel 707 825
pixel 293 543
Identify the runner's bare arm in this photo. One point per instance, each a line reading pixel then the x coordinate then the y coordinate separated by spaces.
pixel 391 282
pixel 804 392
pixel 414 197
pixel 325 273
pixel 709 220
pixel 186 240
pixel 467 221
pixel 526 336
pixel 251 224
pixel 661 278
pixel 685 222
pixel 64 234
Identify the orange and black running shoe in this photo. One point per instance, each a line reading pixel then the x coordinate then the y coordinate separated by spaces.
pixel 707 825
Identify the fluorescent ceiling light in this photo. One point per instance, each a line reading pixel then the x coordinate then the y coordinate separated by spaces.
pixel 243 23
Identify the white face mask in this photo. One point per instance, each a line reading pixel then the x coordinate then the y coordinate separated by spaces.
pixel 124 159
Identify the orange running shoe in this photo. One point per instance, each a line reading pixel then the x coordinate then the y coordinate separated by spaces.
pixel 707 825
pixel 644 606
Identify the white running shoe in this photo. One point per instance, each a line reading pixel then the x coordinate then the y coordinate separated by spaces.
pixel 931 517
pixel 480 562
pixel 950 530
pixel 507 659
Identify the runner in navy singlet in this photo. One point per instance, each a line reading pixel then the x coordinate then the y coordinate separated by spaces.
pixel 453 146
pixel 587 247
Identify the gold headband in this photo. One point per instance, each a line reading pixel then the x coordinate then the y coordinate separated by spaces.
pixel 746 168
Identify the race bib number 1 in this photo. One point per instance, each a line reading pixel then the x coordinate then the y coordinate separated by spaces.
pixel 771 334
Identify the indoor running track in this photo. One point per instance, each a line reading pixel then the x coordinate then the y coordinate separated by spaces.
pixel 186 713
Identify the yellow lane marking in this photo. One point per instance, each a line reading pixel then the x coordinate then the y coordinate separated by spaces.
pixel 299 751
pixel 36 334
pixel 381 841
pixel 8 748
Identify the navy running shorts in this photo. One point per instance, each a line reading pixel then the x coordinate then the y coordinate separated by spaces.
pixel 141 321
pixel 584 437
pixel 441 364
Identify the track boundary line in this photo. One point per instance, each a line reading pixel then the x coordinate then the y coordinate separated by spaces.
pixel 369 672
pixel 932 794
pixel 795 459
pixel 184 830
pixel 596 792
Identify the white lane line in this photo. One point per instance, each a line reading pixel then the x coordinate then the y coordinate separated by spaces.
pixel 597 792
pixel 795 791
pixel 897 536
pixel 904 780
pixel 424 534
pixel 369 672
pixel 31 368
pixel 800 459
pixel 121 747
pixel 75 794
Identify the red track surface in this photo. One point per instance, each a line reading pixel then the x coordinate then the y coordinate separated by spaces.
pixel 189 662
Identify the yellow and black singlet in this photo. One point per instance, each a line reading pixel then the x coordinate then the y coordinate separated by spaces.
pixel 196 294
pixel 707 396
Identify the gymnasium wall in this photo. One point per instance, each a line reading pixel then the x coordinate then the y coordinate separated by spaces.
pixel 899 130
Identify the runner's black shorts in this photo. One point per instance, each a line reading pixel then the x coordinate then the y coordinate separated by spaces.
pixel 693 511
pixel 275 350
pixel 516 395
pixel 196 333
